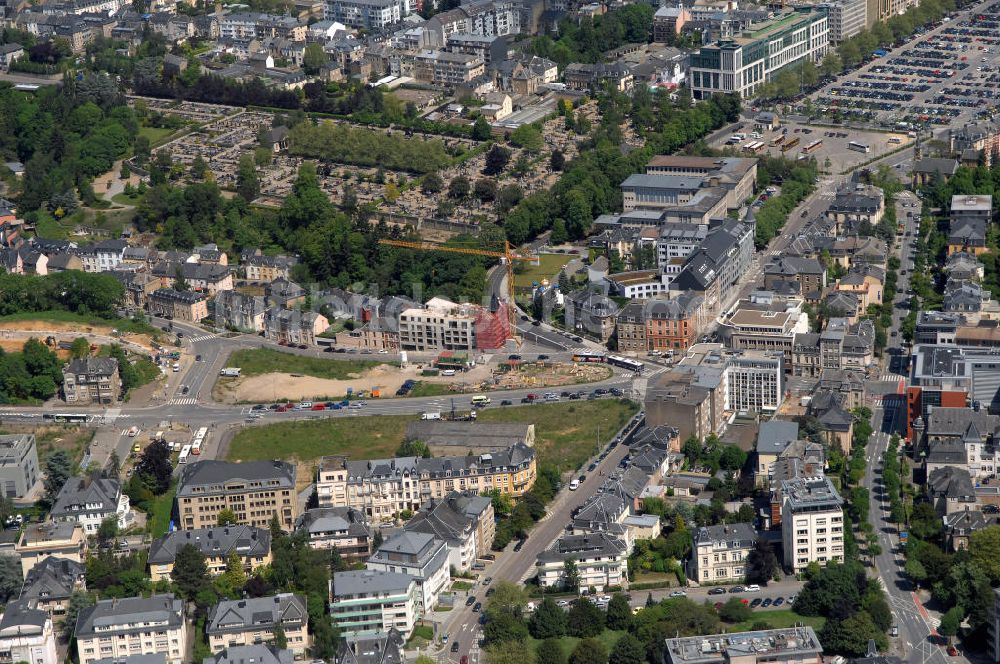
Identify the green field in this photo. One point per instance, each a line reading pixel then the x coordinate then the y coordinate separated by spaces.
pixel 780 619
pixel 422 389
pixel 608 637
pixel 548 267
pixel 565 433
pixel 123 199
pixel 158 520
pixel 156 135
pixel 260 361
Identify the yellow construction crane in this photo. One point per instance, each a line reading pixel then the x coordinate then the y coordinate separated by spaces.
pixel 507 255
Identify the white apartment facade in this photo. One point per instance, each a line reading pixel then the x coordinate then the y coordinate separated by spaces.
pixel 755 382
pixel 601 561
pixel 421 556
pixel 719 553
pixel 442 325
pixel 367 603
pixel 812 522
pixel 117 628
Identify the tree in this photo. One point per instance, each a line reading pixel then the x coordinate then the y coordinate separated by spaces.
pixel 314 58
pixel 481 129
pixel 80 348
pixel 180 283
pixel 154 467
pixel 496 160
pixel 735 611
pixel 915 570
pixel 528 137
pixel 628 650
pixel 509 652
pixel 550 652
pixel 432 184
pixel 951 621
pixel 557 160
pixel 247 182
pixel 235 575
pixel 761 563
pixel 190 573
pixel 227 517
pixel 78 601
pixel 199 168
pixel 485 189
pixel 10 578
pixel 571 575
pixel 619 614
pixel 113 469
pixel 589 651
pixel 585 619
pixel 548 620
pixel 732 458
pixel 984 547
pixel 58 469
pixel 459 188
pixel 280 640
pixel 850 636
pixel 650 602
pixel 503 504
pixel 108 530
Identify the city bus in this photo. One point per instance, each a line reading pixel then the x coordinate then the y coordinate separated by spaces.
pixel 754 146
pixel 812 147
pixel 789 144
pixel 859 147
pixel 777 140
pixel 588 357
pixel 67 417
pixel 626 363
pixel 185 453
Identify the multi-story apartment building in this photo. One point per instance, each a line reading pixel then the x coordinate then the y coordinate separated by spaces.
pixel 234 310
pixel 367 603
pixel 185 306
pixel 244 622
pixel 692 402
pixel 854 205
pixel 117 628
pixel 258 653
pixel 489 18
pixel 366 14
pixel 444 68
pixel 265 269
pixel 382 488
pixel 808 273
pixel 754 382
pixel 720 552
pixel 294 327
pixel 720 261
pixel 970 216
pixel 840 346
pixel 92 380
pixel 846 18
pixel 419 555
pixel 39 541
pixel 601 561
pixel 90 501
pixel 342 528
pixel 207 278
pixel 441 325
pixel 762 323
pixel 744 64
pixel 677 241
pixel 18 464
pixel 631 327
pixel 674 324
pixel 464 522
pixel 246 26
pixel 812 522
pixel 984 137
pixel 792 645
pixel 102 256
pixel 26 633
pixel 255 491
pixel 251 545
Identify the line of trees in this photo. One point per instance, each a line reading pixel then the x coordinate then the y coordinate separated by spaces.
pixel 588 39
pixel 76 291
pixel 353 145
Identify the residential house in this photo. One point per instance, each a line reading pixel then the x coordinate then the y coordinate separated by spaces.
pixel 720 552
pixel 591 313
pixel 251 545
pixel 265 269
pixel 601 562
pixel 92 380
pixel 255 491
pixel 385 648
pixel 856 207
pixel 950 490
pixel 291 327
pixel 52 582
pixel 117 628
pixel 344 529
pixel 809 273
pixel 773 438
pixel 102 256
pixel 234 310
pixel 812 522
pixel 970 215
pixel 258 653
pixel 26 633
pixel 249 621
pixel 39 541
pixel 460 522
pixel 90 501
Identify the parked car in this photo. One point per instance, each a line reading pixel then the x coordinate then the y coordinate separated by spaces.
pixel 455 646
pixel 766 603
pixel 753 588
pixel 717 591
pixel 470 601
pixel 678 593
pixel 736 589
pixel 755 603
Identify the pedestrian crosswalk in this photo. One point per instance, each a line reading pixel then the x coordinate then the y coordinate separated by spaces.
pixel 891 378
pixel 203 337
pixel 184 401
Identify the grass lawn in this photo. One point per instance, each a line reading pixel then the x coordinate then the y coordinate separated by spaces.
pixel 608 637
pixel 564 433
pixel 422 635
pixel 779 619
pixel 548 267
pixel 125 199
pixel 156 135
pixel 158 520
pixel 48 439
pixel 422 389
pixel 461 585
pixel 49 229
pixel 263 361
pixel 664 578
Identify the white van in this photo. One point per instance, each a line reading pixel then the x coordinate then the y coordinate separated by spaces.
pixel 448 372
pixel 436 415
pixel 574 485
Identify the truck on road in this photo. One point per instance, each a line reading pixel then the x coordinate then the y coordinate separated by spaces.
pixel 431 415
pixel 231 372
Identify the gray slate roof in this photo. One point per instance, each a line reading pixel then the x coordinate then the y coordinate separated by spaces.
pixel 256 613
pixel 84 496
pixel 114 613
pixel 258 653
pixel 53 578
pixel 214 474
pixel 367 582
pixel 218 541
